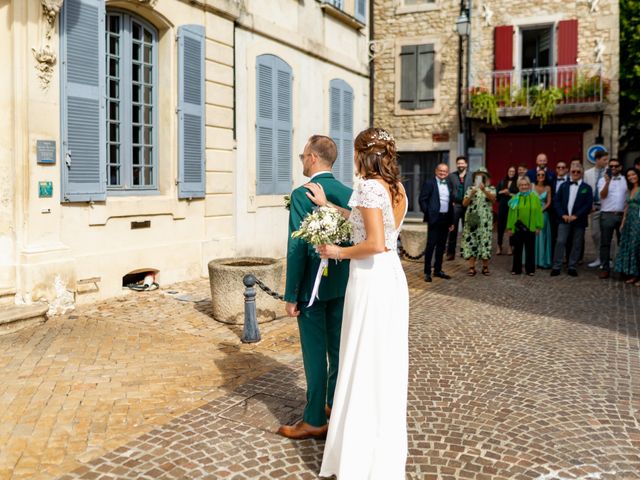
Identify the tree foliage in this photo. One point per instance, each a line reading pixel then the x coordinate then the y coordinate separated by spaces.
pixel 630 74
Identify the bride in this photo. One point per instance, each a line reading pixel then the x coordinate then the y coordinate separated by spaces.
pixel 367 437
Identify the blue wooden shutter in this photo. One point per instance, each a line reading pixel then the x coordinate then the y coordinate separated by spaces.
pixel 341 128
pixel 284 127
pixel 273 125
pixel 83 90
pixel 361 10
pixel 264 124
pixel 191 115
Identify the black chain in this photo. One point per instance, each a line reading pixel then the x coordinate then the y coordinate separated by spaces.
pixel 268 291
pixel 404 253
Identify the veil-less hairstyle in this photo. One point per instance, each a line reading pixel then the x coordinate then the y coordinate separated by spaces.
pixel 376 155
pixel 324 147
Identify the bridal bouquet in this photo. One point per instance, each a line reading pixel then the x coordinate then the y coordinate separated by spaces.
pixel 325 225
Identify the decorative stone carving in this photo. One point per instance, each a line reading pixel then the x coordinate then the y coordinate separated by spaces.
pixel 377 47
pixel 487 13
pixel 51 9
pixel 46 59
pixel 45 56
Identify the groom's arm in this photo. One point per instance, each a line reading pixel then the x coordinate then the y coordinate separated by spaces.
pixel 296 248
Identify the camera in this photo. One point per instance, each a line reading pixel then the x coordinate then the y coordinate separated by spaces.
pixel 609 172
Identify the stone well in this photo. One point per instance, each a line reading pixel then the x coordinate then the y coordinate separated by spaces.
pixel 414 238
pixel 227 289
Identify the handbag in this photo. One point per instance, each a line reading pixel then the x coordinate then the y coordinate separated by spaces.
pixel 520 226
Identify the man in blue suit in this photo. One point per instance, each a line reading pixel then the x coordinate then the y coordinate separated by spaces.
pixel 436 202
pixel 541 164
pixel 572 205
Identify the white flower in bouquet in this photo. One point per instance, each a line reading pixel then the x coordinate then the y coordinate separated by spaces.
pixel 325 225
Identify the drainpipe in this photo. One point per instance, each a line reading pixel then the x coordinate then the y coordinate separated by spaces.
pixel 371 64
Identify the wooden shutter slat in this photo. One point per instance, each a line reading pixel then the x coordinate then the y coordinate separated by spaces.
pixel 335 124
pixel 191 114
pixel 83 79
pixel 347 135
pixel 284 127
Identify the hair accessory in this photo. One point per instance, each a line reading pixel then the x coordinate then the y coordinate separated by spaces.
pixel 381 134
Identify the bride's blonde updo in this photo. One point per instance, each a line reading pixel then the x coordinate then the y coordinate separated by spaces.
pixel 376 156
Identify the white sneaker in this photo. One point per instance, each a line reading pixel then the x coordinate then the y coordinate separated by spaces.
pixel 595 263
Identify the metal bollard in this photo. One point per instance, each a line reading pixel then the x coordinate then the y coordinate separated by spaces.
pixel 250 333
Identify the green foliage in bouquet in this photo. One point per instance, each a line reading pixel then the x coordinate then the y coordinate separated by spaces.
pixel 325 225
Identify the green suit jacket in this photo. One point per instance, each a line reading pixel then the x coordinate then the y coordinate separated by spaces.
pixel 302 259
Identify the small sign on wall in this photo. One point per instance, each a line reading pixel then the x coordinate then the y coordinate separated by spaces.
pixel 46 151
pixel 45 189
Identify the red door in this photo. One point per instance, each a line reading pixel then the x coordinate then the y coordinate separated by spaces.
pixel 506 149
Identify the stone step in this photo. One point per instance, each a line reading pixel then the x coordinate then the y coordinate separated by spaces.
pixel 7 296
pixel 16 317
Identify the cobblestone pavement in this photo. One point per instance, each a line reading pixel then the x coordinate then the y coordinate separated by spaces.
pixel 511 378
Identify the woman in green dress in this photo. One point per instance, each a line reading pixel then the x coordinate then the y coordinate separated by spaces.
pixel 478 221
pixel 524 224
pixel 628 257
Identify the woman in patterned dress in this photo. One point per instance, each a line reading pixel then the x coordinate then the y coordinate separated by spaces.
pixel 478 222
pixel 628 257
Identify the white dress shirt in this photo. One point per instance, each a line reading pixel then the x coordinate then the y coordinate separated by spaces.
pixel 573 193
pixel 560 181
pixel 443 191
pixel 616 197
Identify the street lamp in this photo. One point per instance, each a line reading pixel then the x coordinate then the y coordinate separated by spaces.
pixel 463 25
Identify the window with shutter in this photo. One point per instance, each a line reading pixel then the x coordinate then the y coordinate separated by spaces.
pixel 417 77
pixel 273 125
pixel 191 114
pixel 131 102
pixel 567 42
pixel 82 89
pixel 341 128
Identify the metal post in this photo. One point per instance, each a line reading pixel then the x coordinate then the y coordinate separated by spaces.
pixel 250 333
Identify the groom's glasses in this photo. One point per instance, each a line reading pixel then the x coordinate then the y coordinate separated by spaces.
pixel 301 157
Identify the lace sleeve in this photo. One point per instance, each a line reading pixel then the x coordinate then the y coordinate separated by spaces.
pixel 368 194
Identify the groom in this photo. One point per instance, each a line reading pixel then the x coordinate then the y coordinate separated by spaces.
pixel 320 324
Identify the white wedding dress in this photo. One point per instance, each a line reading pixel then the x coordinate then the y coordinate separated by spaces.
pixel 367 436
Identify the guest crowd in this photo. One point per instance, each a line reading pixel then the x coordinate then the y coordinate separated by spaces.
pixel 544 213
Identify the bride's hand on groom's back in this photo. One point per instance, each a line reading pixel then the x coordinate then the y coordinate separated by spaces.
pixel 316 193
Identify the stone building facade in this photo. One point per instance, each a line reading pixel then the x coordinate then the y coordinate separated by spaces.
pixel 514 49
pixel 128 140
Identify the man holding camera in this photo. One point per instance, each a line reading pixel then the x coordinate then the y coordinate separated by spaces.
pixel 612 190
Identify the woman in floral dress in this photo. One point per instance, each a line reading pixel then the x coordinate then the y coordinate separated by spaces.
pixel 478 222
pixel 628 257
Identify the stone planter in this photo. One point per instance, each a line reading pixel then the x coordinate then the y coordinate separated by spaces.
pixel 227 289
pixel 414 239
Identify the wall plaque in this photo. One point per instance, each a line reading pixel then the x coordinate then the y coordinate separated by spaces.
pixel 46 150
pixel 45 189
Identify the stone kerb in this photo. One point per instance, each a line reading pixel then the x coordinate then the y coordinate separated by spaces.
pixel 227 299
pixel 414 238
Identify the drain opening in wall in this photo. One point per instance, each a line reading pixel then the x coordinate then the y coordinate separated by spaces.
pixel 141 280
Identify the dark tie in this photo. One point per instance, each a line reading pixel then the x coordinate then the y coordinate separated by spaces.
pixel 574 183
pixel 442 182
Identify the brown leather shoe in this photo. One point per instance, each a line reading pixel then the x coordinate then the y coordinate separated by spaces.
pixel 302 430
pixel 327 410
pixel 603 275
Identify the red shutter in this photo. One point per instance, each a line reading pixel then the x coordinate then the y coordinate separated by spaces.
pixel 503 45
pixel 567 42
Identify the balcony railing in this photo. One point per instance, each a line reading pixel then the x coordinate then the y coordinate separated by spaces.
pixel 573 84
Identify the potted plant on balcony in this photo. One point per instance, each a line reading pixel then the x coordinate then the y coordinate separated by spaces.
pixel 544 103
pixel 484 105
